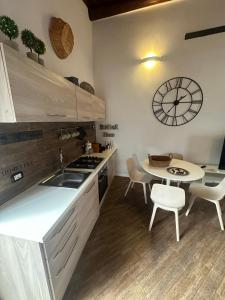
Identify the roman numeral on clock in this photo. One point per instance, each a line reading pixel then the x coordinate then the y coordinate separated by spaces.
pixel 168 86
pixel 157 103
pixel 185 120
pixel 162 95
pixel 165 119
pixel 179 82
pixel 197 102
pixel 193 112
pixel 195 92
pixel 159 112
pixel 174 121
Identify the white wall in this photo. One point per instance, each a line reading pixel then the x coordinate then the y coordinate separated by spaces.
pixel 35 15
pixel 129 87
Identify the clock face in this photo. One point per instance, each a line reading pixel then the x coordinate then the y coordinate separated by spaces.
pixel 177 101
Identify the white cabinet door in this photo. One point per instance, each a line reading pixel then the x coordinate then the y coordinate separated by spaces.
pixel 111 168
pixel 84 105
pixel 89 107
pixel 99 109
pixel 37 94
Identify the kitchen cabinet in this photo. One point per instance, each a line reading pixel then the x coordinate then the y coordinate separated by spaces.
pixel 111 165
pixel 31 93
pixel 42 271
pixel 64 245
pixel 89 107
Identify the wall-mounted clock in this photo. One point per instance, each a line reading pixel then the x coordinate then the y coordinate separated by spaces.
pixel 177 101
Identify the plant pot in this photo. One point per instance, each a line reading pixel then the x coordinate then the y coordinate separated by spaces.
pixel 41 61
pixel 32 56
pixel 11 44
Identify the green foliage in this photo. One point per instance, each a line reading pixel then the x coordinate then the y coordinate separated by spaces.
pixel 39 47
pixel 9 27
pixel 28 39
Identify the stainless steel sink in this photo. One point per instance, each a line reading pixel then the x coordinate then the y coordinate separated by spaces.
pixel 67 179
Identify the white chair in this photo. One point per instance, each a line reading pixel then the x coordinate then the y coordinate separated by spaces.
pixel 136 161
pixel 176 156
pixel 137 176
pixel 211 194
pixel 169 198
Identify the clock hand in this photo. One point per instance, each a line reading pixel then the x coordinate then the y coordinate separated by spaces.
pixel 181 98
pixel 171 108
pixel 175 114
pixel 176 102
pixel 177 94
pixel 172 102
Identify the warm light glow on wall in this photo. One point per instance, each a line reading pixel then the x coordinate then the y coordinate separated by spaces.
pixel 150 60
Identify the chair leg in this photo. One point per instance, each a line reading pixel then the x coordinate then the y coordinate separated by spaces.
pixel 219 214
pixel 132 184
pixel 150 189
pixel 152 217
pixel 177 225
pixel 145 193
pixel 129 185
pixel 192 201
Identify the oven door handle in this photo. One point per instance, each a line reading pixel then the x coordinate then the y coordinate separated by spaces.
pixel 101 178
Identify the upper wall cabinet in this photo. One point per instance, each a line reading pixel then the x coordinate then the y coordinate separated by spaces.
pixel 31 93
pixel 89 107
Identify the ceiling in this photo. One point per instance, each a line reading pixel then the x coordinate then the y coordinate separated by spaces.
pixel 99 9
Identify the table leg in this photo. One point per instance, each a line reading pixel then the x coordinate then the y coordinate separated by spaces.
pixel 167 181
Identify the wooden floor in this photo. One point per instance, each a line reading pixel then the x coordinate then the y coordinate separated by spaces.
pixel 122 260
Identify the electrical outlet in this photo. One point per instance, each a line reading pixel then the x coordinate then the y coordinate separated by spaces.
pixel 17 176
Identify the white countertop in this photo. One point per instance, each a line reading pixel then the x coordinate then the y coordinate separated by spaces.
pixel 32 213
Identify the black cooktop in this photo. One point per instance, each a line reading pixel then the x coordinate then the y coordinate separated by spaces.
pixel 86 162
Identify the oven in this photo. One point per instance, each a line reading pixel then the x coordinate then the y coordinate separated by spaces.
pixel 102 182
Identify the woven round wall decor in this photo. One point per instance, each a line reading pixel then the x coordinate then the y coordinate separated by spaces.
pixel 61 36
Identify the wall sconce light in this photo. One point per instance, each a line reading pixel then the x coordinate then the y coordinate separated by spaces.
pixel 151 60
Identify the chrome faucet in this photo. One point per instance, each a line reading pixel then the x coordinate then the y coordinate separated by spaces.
pixel 61 160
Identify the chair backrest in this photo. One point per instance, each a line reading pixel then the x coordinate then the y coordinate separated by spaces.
pixel 131 167
pixel 176 156
pixel 167 195
pixel 137 164
pixel 220 189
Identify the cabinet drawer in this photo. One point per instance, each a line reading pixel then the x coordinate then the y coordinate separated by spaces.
pixel 89 223
pixel 60 278
pixel 58 261
pixel 69 239
pixel 53 240
pixel 90 192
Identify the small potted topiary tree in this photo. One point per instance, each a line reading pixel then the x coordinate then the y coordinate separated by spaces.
pixel 40 49
pixel 28 39
pixel 10 29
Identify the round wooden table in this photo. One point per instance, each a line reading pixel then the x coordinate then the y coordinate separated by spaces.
pixel 195 172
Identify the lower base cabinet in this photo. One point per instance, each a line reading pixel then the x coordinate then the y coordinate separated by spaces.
pixel 33 271
pixel 111 168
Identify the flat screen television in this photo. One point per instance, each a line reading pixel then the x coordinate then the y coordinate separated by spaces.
pixel 222 158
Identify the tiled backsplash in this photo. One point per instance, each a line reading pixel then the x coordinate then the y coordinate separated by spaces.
pixel 33 148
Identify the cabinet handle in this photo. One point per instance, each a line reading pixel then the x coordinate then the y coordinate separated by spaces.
pixel 71 252
pixel 64 223
pixel 63 246
pixel 90 188
pixel 56 115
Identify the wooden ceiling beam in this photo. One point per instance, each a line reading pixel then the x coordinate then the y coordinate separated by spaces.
pixel 104 10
